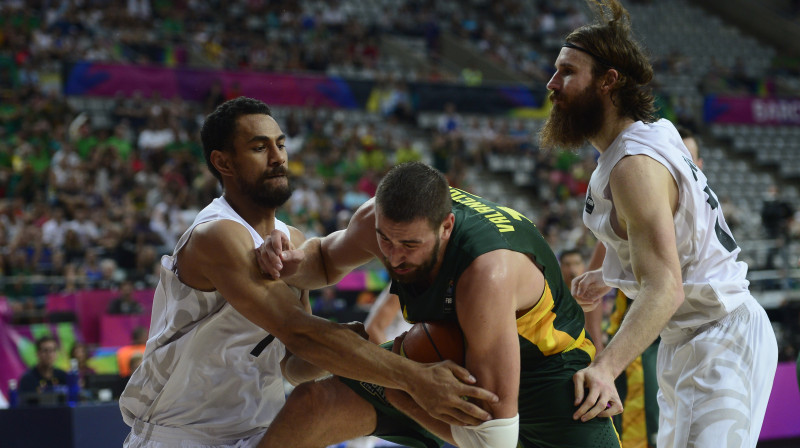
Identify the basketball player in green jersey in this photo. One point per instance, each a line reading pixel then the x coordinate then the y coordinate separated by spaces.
pixel 452 256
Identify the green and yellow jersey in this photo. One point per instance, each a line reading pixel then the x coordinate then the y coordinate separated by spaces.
pixel 553 326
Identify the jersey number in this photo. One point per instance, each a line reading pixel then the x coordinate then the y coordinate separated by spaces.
pixel 724 237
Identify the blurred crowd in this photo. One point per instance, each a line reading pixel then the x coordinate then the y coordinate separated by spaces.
pixel 88 206
pixel 93 205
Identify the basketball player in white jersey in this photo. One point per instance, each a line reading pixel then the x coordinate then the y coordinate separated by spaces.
pixel 668 248
pixel 222 333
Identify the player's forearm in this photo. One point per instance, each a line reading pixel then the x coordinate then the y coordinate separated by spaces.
pixel 645 319
pixel 502 378
pixel 594 326
pixel 343 352
pixel 405 404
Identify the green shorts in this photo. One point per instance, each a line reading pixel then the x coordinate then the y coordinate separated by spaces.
pixel 545 409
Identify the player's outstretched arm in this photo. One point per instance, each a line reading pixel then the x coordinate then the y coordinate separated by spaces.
pixel 324 261
pixel 645 215
pixel 219 255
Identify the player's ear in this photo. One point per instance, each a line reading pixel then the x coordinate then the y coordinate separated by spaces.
pixel 447 226
pixel 610 78
pixel 221 162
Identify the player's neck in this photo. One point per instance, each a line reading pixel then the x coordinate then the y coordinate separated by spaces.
pixel 613 126
pixel 260 218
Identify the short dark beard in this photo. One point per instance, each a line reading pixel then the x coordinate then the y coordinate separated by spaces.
pixel 573 122
pixel 419 276
pixel 267 197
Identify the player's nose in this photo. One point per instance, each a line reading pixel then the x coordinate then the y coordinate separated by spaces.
pixel 396 257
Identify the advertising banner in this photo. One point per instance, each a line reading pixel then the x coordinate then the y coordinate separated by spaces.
pixel 752 110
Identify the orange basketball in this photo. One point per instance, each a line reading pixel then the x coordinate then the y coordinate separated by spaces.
pixel 434 341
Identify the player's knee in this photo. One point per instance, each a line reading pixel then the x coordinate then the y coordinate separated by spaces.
pixel 316 395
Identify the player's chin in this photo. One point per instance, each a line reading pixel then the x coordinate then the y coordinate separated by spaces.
pixel 404 278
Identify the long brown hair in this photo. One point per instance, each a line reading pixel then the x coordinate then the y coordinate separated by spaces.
pixel 610 40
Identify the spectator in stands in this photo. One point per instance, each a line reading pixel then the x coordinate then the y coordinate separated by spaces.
pixel 74 251
pixel 126 353
pixel 145 274
pixel 64 164
pixel 53 229
pixel 471 75
pixel 44 375
pixel 328 304
pixel 572 265
pixel 776 216
pixel 214 97
pixel 90 267
pixel 81 223
pixel 124 303
pixel 450 121
pixel 80 351
pixel 398 104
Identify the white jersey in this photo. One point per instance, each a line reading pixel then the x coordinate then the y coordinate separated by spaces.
pixel 202 373
pixel 714 282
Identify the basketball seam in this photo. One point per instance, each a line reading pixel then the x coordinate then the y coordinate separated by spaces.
pixel 433 344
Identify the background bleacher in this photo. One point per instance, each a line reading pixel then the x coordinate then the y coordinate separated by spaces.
pixel 458 84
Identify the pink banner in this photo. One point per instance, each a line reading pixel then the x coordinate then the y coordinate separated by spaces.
pixel 781 420
pixel 109 80
pixel 354 281
pixel 11 364
pixel 752 110
pixel 90 306
pixel 117 330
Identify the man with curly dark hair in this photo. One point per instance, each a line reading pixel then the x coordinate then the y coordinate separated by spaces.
pixel 667 247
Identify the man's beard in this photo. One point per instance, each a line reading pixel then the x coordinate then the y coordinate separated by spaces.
pixel 265 195
pixel 573 121
pixel 418 275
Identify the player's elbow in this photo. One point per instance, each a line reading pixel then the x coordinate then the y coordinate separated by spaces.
pixel 678 296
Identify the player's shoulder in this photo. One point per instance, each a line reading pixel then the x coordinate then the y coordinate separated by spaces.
pixel 363 220
pixel 497 261
pixel 218 237
pixel 366 211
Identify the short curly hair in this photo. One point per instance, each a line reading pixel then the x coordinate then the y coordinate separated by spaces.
pixel 219 126
pixel 414 190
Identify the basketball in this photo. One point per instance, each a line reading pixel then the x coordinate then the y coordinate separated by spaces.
pixel 434 341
